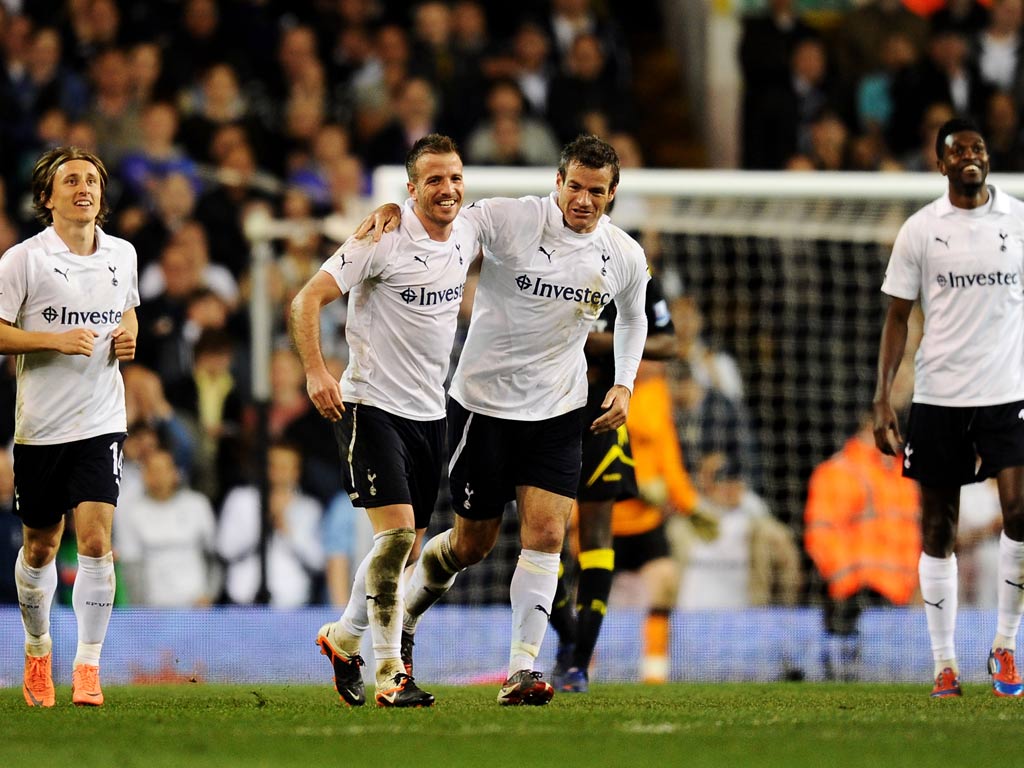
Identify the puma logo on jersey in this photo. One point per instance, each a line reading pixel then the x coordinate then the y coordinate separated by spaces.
pixel 422 261
pixel 1015 584
pixel 546 253
pixel 944 242
pixel 63 274
pixel 344 261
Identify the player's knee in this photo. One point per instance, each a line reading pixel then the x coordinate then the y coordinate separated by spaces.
pixel 39 552
pixel 469 550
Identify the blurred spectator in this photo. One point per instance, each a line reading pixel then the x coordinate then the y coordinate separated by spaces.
pixel 860 35
pixel 199 42
pixel 829 138
pixel 149 81
pixel 508 136
pixel 213 101
pixel 1003 134
pixel 862 530
pixel 148 410
pixel 584 87
pixel 415 109
pixel 968 16
pixel 765 51
pixel 144 168
pixel 531 66
pixel 638 525
pixel 208 400
pixel 348 537
pixel 783 114
pixel 162 346
pixel 752 561
pixel 377 83
pixel 174 203
pixel 997 48
pixel 947 74
pixel 714 368
pixel 216 278
pixel 977 544
pixel 571 18
pixel 295 557
pixel 165 540
pixel 113 112
pixel 221 209
pixel 708 422
pixel 10 530
pixel 923 158
pixel 875 90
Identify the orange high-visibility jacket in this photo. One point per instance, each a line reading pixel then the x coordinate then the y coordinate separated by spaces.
pixel 863 524
pixel 656 453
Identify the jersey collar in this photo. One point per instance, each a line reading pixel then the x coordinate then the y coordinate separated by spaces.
pixel 414 228
pixel 1000 202
pixel 54 244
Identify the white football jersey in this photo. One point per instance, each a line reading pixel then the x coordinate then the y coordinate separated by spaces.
pixel 44 287
pixel 402 314
pixel 541 288
pixel 967 268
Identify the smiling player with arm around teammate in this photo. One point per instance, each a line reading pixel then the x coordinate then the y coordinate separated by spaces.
pixel 516 411
pixel 963 257
pixel 388 410
pixel 67 306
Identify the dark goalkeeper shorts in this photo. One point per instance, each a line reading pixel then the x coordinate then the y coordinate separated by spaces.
pixel 957 446
pixel 634 552
pixel 491 457
pixel 50 480
pixel 388 459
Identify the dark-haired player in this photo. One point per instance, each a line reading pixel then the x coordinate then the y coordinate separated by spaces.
pixel 962 256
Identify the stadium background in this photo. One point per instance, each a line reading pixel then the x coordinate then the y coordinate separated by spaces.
pixel 787 284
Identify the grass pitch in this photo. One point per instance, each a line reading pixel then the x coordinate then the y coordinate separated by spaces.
pixel 786 724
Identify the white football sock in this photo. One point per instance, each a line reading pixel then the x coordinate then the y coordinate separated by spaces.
pixel 532 591
pixel 939 591
pixel 432 576
pixel 1011 592
pixel 347 632
pixel 93 600
pixel 36 588
pixel 384 598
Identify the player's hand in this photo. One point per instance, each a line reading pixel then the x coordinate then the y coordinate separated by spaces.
pixel 383 219
pixel 325 392
pixel 705 524
pixel 124 343
pixel 77 341
pixel 887 429
pixel 616 406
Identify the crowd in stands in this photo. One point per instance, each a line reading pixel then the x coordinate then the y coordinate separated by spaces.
pixel 867 89
pixel 204 110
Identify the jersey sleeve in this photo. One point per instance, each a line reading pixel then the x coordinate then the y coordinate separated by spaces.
pixel 358 260
pixel 631 324
pixel 133 300
pixel 13 282
pixel 903 275
pixel 659 318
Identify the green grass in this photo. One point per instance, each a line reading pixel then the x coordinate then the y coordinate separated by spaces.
pixel 789 725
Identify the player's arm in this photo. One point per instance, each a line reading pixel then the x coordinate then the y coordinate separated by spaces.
pixel 124 336
pixel 304 325
pixel 628 345
pixel 15 341
pixel 890 355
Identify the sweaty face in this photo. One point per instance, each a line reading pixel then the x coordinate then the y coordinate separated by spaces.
pixel 77 193
pixel 438 188
pixel 584 195
pixel 965 161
